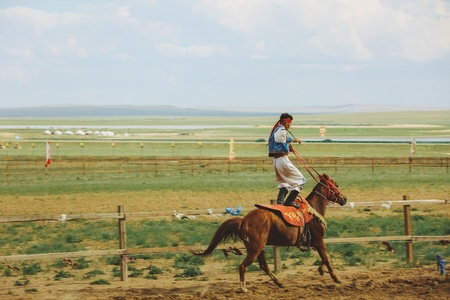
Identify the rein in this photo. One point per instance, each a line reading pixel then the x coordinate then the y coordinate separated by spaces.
pixel 304 163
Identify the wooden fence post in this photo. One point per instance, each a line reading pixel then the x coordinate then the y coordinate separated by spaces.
pixel 276 252
pixel 123 244
pixel 447 164
pixel 408 230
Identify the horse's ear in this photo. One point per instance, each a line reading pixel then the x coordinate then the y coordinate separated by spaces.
pixel 324 176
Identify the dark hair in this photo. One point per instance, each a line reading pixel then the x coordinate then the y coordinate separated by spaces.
pixel 285 116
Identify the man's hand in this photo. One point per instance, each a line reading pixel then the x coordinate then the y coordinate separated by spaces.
pixel 296 140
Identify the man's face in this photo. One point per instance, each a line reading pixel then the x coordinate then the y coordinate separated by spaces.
pixel 287 123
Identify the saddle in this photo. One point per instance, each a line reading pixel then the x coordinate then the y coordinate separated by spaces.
pixel 294 216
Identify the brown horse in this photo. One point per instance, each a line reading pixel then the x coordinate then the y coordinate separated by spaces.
pixel 261 227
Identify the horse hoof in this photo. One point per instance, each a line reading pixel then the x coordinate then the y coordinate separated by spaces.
pixel 243 287
pixel 320 271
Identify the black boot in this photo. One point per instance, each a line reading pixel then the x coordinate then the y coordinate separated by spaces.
pixel 281 195
pixel 290 199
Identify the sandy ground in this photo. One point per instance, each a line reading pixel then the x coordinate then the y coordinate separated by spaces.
pixel 423 283
pixel 218 281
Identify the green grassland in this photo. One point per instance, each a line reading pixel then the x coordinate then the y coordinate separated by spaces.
pixel 135 143
pixel 248 133
pixel 357 182
pixel 64 149
pixel 434 123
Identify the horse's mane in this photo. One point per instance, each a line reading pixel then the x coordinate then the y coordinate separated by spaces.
pixel 315 213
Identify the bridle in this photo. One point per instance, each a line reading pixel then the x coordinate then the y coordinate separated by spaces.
pixel 333 191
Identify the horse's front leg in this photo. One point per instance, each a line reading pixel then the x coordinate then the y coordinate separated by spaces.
pixel 321 249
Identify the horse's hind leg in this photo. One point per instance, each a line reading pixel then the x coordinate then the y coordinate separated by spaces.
pixel 263 265
pixel 248 260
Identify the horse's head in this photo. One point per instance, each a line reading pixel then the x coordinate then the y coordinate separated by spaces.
pixel 333 194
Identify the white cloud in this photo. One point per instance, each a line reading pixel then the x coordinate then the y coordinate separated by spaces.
pixel 38 20
pixel 259 50
pixel 13 73
pixel 235 14
pixel 351 29
pixel 123 13
pixel 122 56
pixel 341 42
pixel 194 50
pixel 24 52
pixel 67 47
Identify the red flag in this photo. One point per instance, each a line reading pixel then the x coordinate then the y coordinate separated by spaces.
pixel 48 160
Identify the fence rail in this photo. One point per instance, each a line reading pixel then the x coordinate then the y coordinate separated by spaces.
pixel 92 253
pixel 121 216
pixel 68 168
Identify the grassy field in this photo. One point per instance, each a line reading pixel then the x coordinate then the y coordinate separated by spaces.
pixel 146 143
pixel 132 138
pixel 39 191
pixel 66 149
pixel 405 124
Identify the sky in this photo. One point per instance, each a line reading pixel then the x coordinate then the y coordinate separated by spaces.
pixel 225 53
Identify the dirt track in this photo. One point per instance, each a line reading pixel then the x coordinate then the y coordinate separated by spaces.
pixel 423 283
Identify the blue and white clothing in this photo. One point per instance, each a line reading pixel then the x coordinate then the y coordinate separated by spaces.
pixel 441 264
pixel 286 174
pixel 279 142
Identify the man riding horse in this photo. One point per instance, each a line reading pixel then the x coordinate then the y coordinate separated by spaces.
pixel 288 177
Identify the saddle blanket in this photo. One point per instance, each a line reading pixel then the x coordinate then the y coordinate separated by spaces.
pixel 294 216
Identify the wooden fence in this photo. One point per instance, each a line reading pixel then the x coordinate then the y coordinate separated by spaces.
pixel 123 251
pixel 67 169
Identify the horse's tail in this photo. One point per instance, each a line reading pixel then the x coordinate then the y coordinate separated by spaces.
pixel 228 230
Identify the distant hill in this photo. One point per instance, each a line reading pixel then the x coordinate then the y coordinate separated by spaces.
pixel 174 111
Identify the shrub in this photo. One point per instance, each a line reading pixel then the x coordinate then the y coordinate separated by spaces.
pixel 81 263
pixel 7 272
pixel 73 238
pixel 92 274
pixel 59 263
pixel 191 271
pixel 154 270
pixel 21 282
pixel 134 272
pixel 184 261
pixel 116 272
pixel 62 274
pixel 100 282
pixel 113 260
pixel 31 270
